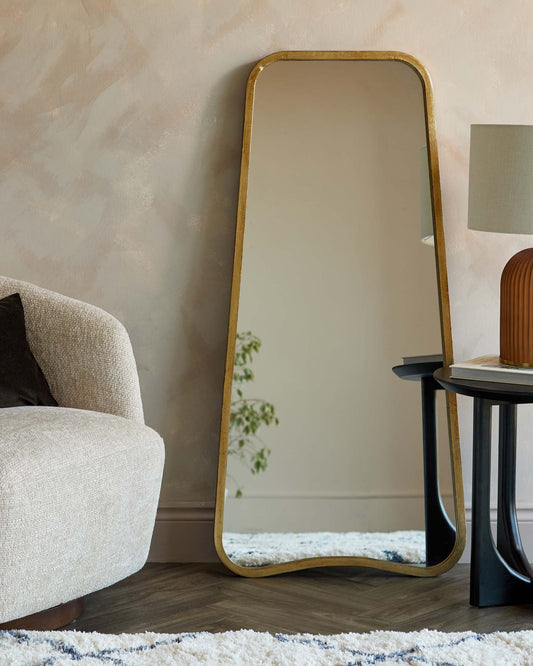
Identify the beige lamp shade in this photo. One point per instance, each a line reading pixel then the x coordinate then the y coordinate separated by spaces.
pixel 426 212
pixel 501 200
pixel 501 179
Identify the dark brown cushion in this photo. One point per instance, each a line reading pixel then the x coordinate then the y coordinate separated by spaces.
pixel 22 381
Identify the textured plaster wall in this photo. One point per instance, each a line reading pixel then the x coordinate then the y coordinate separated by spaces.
pixel 120 125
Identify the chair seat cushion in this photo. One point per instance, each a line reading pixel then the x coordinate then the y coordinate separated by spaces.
pixel 78 497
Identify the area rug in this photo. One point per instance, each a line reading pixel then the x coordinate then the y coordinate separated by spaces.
pixel 250 648
pixel 263 548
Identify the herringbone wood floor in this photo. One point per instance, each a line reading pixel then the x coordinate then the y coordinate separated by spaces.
pixel 206 597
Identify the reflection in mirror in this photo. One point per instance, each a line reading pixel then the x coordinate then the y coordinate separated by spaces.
pixel 325 443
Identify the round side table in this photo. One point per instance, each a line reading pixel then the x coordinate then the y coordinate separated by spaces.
pixel 500 572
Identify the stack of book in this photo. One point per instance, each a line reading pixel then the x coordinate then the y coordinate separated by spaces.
pixel 428 358
pixel 490 369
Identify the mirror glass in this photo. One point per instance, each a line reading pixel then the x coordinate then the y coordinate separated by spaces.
pixel 325 442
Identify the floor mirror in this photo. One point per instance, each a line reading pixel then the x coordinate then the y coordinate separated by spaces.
pixel 339 275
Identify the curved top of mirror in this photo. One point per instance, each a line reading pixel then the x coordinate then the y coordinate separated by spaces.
pixel 333 282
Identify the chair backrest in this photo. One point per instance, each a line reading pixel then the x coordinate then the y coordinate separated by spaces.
pixel 84 352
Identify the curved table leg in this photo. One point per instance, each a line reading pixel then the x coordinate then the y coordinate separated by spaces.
pixel 508 540
pixel 440 532
pixel 492 581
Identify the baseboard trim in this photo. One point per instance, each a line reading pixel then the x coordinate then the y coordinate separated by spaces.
pixel 184 533
pixel 525 524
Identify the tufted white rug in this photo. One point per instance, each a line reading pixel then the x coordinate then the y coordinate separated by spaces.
pixel 249 648
pixel 252 550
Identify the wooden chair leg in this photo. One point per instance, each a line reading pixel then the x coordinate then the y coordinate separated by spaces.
pixel 47 620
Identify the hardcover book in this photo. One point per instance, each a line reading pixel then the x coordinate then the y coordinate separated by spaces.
pixel 489 368
pixel 428 358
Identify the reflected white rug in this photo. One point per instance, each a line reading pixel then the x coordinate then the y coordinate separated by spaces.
pixel 253 550
pixel 249 648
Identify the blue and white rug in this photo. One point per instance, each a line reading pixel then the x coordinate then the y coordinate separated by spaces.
pixel 263 548
pixel 250 648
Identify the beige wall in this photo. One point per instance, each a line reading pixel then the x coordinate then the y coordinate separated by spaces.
pixel 119 152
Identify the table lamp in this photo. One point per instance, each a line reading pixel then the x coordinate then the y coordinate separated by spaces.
pixel 501 200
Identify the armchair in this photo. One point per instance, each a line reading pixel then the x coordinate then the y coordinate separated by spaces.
pixel 79 483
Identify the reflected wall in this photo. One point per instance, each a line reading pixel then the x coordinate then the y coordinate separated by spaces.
pixel 338 286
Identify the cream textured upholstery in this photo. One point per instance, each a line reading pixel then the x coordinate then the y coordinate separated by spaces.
pixel 79 483
pixel 84 352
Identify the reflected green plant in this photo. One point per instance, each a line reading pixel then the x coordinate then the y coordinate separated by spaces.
pixel 248 415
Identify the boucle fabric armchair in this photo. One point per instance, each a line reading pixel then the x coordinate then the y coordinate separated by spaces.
pixel 79 483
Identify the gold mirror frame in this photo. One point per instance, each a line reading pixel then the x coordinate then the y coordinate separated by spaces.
pixel 444 310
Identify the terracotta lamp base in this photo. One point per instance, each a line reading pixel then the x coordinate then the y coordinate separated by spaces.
pixel 516 310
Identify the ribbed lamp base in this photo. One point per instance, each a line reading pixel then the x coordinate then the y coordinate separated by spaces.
pixel 516 310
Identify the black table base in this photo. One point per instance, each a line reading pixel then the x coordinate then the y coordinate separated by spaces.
pixel 500 573
pixel 440 531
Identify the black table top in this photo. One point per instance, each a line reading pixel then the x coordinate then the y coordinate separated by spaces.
pixel 496 391
pixel 416 371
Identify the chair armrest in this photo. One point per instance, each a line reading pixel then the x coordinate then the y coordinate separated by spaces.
pixel 84 352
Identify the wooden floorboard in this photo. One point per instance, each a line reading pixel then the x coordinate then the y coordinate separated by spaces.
pixel 174 598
